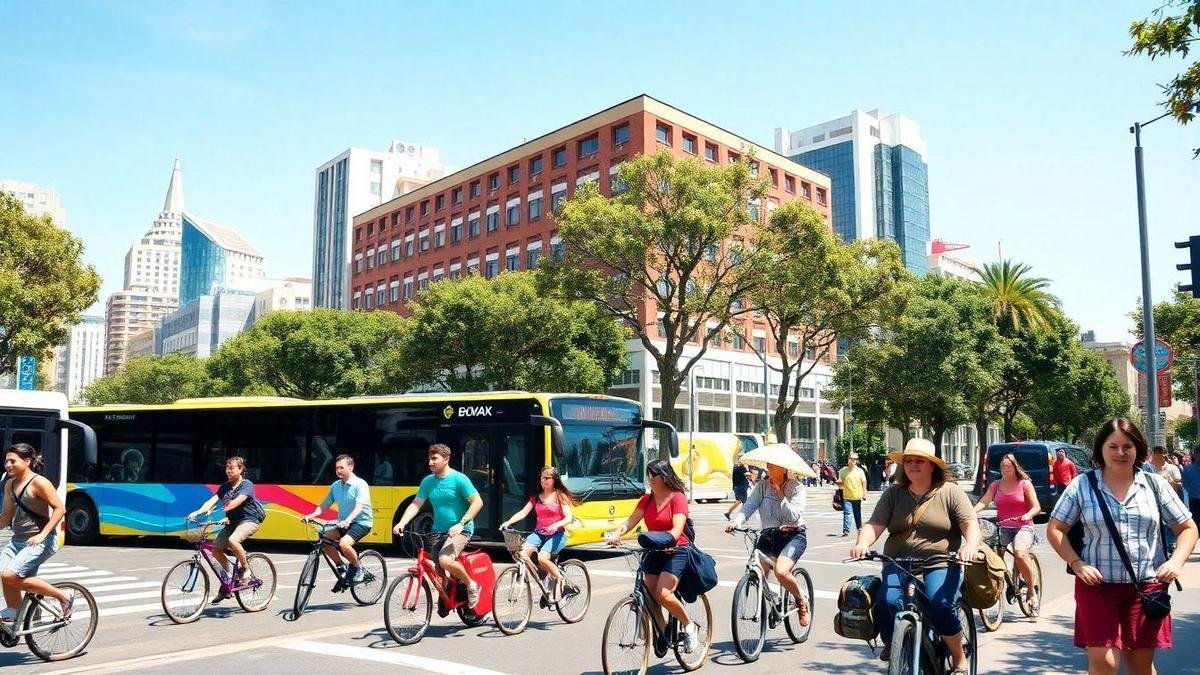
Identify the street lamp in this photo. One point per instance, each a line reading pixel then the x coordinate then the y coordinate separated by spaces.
pixel 692 421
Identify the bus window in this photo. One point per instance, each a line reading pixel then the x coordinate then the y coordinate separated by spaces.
pixel 124 455
pixel 214 462
pixel 272 442
pixel 320 460
pixel 173 460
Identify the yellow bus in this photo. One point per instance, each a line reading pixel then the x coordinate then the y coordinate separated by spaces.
pixel 155 464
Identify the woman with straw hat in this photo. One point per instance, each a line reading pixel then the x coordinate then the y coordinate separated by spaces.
pixel 924 515
pixel 779 501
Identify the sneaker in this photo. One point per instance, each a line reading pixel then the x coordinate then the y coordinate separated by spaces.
pixel 473 595
pixel 222 595
pixel 8 615
pixel 846 534
pixel 690 638
pixel 355 576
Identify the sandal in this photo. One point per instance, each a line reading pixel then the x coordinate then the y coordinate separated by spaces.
pixel 961 670
pixel 802 613
pixel 67 606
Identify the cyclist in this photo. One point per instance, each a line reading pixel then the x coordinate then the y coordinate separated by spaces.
pixel 665 509
pixel 455 502
pixel 1016 505
pixel 355 517
pixel 33 508
pixel 552 505
pixel 779 501
pixel 947 523
pixel 244 513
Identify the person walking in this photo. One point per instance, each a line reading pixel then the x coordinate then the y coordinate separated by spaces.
pixel 1191 484
pixel 853 482
pixel 1064 470
pixel 741 486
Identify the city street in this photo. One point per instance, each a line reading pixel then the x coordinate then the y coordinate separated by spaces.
pixel 134 635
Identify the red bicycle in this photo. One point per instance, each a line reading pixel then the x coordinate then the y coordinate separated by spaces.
pixel 408 608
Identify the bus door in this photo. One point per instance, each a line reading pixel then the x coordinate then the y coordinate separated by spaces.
pixel 497 460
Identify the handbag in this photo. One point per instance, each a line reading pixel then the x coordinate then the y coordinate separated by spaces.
pixel 1155 604
pixel 839 499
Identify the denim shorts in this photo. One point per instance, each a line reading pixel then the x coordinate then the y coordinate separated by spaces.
pixel 25 560
pixel 356 531
pixel 666 562
pixel 789 544
pixel 550 544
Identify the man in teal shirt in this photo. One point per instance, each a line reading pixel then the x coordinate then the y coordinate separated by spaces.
pixel 355 517
pixel 455 502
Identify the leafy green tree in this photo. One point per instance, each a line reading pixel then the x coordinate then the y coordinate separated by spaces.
pixel 1040 358
pixel 1167 34
pixel 1019 301
pixel 318 354
pixel 503 333
pixel 44 283
pixel 874 372
pixel 1185 430
pixel 1177 322
pixel 1083 395
pixel 869 443
pixel 817 290
pixel 677 244
pixel 151 380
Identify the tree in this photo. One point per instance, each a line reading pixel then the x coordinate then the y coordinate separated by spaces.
pixel 477 334
pixel 1040 358
pixel 1081 397
pixel 1177 322
pixel 1019 301
pixel 44 284
pixel 1185 430
pixel 870 443
pixel 874 371
pixel 1167 35
pixel 817 290
pixel 151 380
pixel 317 354
pixel 676 244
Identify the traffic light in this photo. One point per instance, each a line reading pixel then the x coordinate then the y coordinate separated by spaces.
pixel 1193 246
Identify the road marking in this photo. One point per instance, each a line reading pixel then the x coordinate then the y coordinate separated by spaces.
pixel 72 576
pixel 95 586
pixel 383 656
pixel 64 569
pixel 99 583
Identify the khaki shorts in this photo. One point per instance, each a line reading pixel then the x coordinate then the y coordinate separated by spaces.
pixel 1022 538
pixel 453 545
pixel 236 534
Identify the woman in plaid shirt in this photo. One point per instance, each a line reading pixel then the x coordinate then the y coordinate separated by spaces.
pixel 1109 622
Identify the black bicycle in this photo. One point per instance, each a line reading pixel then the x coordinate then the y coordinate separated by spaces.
pixel 366 591
pixel 917 649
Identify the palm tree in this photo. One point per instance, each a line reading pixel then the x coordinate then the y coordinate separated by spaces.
pixel 1019 301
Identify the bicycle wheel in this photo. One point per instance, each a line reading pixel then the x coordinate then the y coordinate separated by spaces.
pixel 262 570
pixel 993 616
pixel 1027 607
pixel 184 592
pixel 577 592
pixel 701 615
pixel 970 644
pixel 306 583
pixel 748 617
pixel 374 583
pixel 72 636
pixel 407 609
pixel 791 620
pixel 904 646
pixel 625 645
pixel 512 602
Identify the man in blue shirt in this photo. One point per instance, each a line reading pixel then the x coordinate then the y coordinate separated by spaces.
pixel 455 503
pixel 1191 484
pixel 355 517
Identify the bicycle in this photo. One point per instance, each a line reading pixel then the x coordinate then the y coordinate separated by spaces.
pixel 635 623
pixel 916 646
pixel 407 614
pixel 365 592
pixel 758 606
pixel 185 588
pixel 512 598
pixel 1015 588
pixel 50 636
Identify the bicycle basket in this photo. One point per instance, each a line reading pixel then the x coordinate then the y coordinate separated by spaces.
pixel 991 533
pixel 513 541
pixel 195 533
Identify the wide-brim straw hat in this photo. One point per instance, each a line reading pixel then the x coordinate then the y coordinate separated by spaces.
pixel 918 447
pixel 780 455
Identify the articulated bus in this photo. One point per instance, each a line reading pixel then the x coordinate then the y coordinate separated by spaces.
pixel 157 463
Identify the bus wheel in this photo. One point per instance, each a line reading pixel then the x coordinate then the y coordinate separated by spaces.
pixel 421 524
pixel 83 525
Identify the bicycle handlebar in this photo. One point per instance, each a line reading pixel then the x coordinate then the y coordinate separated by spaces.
pixel 936 559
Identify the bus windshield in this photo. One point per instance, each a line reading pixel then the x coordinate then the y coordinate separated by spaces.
pixel 603 453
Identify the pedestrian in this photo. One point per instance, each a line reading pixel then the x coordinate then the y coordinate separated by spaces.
pixel 1191 484
pixel 1163 467
pixel 853 482
pixel 1113 574
pixel 889 472
pixel 741 485
pixel 1064 470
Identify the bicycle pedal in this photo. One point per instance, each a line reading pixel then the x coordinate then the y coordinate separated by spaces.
pixel 443 611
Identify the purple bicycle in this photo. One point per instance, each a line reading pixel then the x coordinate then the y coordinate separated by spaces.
pixel 185 589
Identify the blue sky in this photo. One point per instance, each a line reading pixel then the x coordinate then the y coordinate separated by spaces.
pixel 1025 108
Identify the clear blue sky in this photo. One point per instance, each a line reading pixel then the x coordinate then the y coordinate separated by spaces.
pixel 1025 107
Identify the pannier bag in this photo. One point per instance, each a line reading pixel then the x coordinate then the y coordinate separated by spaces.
pixel 855 618
pixel 983 581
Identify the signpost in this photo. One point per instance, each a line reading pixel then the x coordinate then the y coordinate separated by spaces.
pixel 1163 356
pixel 26 372
pixel 1163 359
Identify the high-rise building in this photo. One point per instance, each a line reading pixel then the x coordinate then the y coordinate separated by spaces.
pixel 349 184
pixel 945 260
pixel 878 168
pixel 128 313
pixel 81 360
pixel 38 200
pixel 214 258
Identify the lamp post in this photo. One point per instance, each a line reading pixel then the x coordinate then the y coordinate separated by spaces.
pixel 692 432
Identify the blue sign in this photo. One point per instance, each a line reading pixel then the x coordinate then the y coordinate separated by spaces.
pixel 1162 356
pixel 26 371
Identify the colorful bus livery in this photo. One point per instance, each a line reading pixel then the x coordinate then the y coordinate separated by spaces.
pixel 155 464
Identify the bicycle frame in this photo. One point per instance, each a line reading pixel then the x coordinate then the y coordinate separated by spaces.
pixel 527 568
pixel 645 602
pixel 754 567
pixel 27 606
pixel 424 569
pixel 204 551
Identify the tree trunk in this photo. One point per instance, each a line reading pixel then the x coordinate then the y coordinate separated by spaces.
pixel 779 424
pixel 670 388
pixel 906 435
pixel 938 432
pixel 981 427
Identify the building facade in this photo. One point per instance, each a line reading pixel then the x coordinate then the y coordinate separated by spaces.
pixel 349 184
pixel 126 314
pixel 38 200
pixel 153 262
pixel 202 325
pixel 947 260
pixel 214 258
pixel 81 360
pixel 879 172
pixel 291 294
pixel 496 216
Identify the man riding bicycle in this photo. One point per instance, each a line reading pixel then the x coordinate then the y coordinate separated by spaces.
pixel 455 502
pixel 353 498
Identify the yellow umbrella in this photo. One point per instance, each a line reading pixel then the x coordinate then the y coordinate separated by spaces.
pixel 778 454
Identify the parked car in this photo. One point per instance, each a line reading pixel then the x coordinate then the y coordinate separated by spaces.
pixel 1037 458
pixel 958 471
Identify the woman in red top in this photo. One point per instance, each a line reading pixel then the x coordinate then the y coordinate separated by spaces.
pixel 665 509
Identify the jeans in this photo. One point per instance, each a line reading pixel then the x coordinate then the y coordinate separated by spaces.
pixel 851 506
pixel 942 589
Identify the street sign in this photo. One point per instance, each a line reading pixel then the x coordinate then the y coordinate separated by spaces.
pixel 26 372
pixel 1163 357
pixel 1164 389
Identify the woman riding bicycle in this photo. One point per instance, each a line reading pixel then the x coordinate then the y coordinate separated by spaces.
pixel 946 523
pixel 779 501
pixel 1016 505
pixel 552 505
pixel 244 513
pixel 665 509
pixel 33 508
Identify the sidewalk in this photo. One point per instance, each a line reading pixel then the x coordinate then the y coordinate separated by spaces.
pixel 1046 647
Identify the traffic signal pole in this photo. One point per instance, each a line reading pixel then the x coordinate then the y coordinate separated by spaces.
pixel 1153 432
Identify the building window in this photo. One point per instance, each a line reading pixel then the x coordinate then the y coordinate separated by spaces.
pixel 689 144
pixel 620 135
pixel 662 328
pixel 424 242
pixel 514 174
pixel 556 199
pixel 379 297
pixel 424 208
pixel 806 189
pixel 738 342
pixel 395 295
pixel 710 151
pixel 370 229
pixel 535 166
pixel 494 181
pixel 455 231
pixel 382 257
pixel 408 214
pixel 755 210
pixel 370 300
pixel 475 189
pixel 376 188
pixel 422 284
pixel 439 202
pixel 357 265
pixel 793 348
pixel 512 262
pixel 531 258
pixel 760 344
pixel 559 158
pixel 473 227
pixel 408 247
pixel 615 185
pixel 456 196
pixel 589 146
pixel 439 238
pixel 408 289
pixel 514 214
pixel 821 196
pixel 754 169
pixel 491 269
pixel 774 177
pixel 711 251
pixel 733 157
pixel 662 133
pixel 789 184
pixel 535 208
pixel 395 251
pixel 493 221
pixel 370 258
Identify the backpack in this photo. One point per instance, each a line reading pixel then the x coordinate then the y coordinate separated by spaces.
pixel 699 577
pixel 855 618
pixel 983 582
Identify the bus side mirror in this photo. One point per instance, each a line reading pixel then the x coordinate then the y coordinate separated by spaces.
pixel 557 444
pixel 672 435
pixel 90 461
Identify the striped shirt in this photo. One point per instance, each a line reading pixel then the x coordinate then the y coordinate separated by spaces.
pixel 773 511
pixel 1137 522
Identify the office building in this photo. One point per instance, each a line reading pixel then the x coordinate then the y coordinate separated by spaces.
pixel 291 294
pixel 126 314
pixel 214 258
pixel 38 200
pixel 81 359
